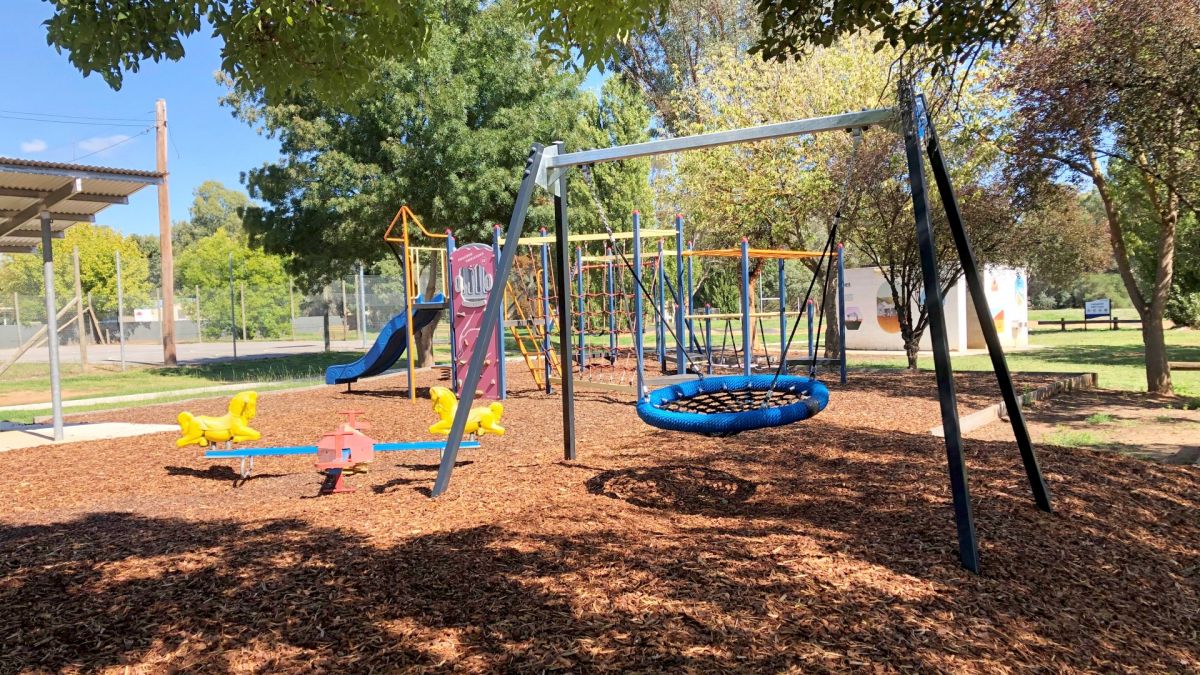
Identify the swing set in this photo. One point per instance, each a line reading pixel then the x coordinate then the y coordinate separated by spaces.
pixel 721 405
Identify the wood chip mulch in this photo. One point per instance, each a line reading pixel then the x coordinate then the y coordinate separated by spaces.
pixel 823 546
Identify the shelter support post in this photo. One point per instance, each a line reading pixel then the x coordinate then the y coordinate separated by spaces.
pixel 491 319
pixel 52 326
pixel 968 547
pixel 971 272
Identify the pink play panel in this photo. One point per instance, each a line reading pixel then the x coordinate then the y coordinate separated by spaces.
pixel 474 268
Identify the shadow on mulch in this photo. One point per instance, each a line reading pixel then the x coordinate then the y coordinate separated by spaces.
pixel 683 488
pixel 401 393
pixel 434 467
pixel 218 473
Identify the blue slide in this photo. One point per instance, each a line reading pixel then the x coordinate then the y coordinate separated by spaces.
pixel 389 346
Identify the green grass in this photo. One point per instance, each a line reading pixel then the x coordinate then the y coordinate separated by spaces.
pixel 26 383
pixel 28 416
pixel 1072 439
pixel 1076 314
pixel 1115 356
pixel 1100 418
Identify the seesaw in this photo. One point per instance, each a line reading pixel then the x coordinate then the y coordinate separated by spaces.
pixel 344 450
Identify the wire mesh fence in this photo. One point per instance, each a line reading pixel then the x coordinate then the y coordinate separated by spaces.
pixel 350 311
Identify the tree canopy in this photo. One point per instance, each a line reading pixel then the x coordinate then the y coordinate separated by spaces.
pixel 214 206
pixel 448 136
pixel 331 49
pixel 98 245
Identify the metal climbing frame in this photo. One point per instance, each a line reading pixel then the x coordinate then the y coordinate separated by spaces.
pixel 549 166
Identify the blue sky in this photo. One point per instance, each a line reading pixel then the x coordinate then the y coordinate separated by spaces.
pixel 206 141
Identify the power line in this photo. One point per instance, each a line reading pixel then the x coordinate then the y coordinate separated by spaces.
pixel 109 147
pixel 74 117
pixel 73 121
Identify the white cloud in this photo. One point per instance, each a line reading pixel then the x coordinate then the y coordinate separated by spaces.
pixel 98 143
pixel 32 146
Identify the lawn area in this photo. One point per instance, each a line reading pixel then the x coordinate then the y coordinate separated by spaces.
pixel 1116 356
pixel 30 383
pixel 1076 314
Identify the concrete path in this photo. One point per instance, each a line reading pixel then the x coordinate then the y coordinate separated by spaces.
pixel 15 436
pixel 152 354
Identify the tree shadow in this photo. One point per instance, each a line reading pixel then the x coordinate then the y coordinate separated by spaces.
pixel 682 488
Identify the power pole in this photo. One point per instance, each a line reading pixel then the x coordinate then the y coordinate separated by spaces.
pixel 167 317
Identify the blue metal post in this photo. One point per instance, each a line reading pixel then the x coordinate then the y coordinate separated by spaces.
pixel 783 336
pixel 691 297
pixel 546 313
pixel 503 309
pixel 450 246
pixel 610 285
pixel 660 335
pixel 638 328
pixel 809 309
pixel 680 301
pixel 745 307
pixel 581 305
pixel 841 281
pixel 708 338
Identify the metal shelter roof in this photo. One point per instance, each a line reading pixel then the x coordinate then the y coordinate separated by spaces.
pixel 72 193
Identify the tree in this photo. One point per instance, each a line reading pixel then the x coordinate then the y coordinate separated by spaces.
pixel 1111 85
pixel 879 221
pixel 618 117
pixel 780 193
pixel 97 246
pixel 214 206
pixel 148 246
pixel 333 48
pixel 260 276
pixel 447 136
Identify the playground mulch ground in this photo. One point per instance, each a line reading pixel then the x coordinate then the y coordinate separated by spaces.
pixel 824 546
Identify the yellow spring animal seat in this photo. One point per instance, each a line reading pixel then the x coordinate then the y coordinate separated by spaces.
pixel 233 426
pixel 482 420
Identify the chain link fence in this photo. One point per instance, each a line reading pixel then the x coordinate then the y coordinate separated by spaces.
pixel 350 311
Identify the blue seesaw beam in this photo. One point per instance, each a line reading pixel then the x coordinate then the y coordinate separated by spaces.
pixel 240 453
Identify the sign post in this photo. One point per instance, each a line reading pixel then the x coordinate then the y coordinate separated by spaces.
pixel 1095 309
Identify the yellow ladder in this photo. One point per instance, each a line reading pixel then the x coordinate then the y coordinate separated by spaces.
pixel 530 336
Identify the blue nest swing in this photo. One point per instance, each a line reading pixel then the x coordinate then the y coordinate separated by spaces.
pixel 729 404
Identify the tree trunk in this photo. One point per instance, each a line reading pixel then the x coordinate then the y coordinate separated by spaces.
pixel 833 335
pixel 325 317
pixel 1150 309
pixel 423 358
pixel 912 347
pixel 1158 370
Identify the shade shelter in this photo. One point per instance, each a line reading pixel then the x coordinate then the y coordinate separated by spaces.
pixel 39 201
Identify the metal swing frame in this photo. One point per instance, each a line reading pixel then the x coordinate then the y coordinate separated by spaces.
pixel 548 166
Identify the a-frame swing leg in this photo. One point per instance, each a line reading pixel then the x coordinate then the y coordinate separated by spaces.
pixel 968 547
pixel 491 317
pixel 966 256
pixel 562 231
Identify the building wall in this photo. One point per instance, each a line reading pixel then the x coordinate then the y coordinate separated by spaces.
pixel 871 320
